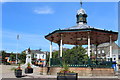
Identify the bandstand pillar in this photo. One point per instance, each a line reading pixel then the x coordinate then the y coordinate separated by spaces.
pixel 61 43
pixel 61 46
pixel 96 53
pixel 110 47
pixel 96 50
pixel 89 44
pixel 59 50
pixel 50 53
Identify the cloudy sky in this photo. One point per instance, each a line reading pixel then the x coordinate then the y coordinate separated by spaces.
pixel 33 20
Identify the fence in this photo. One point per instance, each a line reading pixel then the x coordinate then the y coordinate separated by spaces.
pixel 57 62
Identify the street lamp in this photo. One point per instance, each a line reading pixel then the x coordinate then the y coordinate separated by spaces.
pixel 17 49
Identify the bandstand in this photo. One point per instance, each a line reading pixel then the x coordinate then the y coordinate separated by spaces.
pixel 82 34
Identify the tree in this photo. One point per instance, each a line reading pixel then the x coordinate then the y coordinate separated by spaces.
pixel 55 54
pixel 23 57
pixel 12 57
pixel 40 49
pixel 3 53
pixel 76 55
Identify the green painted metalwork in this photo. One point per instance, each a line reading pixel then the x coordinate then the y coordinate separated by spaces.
pixel 57 62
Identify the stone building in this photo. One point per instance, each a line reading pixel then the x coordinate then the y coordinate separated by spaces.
pixel 104 51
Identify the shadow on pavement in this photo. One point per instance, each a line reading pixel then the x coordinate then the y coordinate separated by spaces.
pixel 56 79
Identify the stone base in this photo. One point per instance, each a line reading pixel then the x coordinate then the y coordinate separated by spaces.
pixel 25 65
pixel 86 71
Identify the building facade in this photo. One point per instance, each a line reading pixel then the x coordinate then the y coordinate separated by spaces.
pixel 103 51
pixel 39 57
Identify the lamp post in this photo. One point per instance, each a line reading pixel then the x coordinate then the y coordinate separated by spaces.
pixel 50 54
pixel 17 49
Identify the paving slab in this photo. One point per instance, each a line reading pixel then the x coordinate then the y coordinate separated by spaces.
pixel 7 74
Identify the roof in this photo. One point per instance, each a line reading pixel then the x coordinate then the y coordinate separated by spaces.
pixel 79 26
pixel 8 54
pixel 83 29
pixel 37 51
pixel 106 45
pixel 70 36
pixel 81 11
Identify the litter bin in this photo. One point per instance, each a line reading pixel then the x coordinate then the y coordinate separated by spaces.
pixel 114 65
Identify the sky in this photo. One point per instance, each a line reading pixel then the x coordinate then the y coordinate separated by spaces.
pixel 33 20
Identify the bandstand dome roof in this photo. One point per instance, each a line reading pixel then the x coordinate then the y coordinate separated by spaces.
pixel 79 26
pixel 81 11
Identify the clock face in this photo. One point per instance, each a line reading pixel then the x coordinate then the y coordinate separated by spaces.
pixel 81 18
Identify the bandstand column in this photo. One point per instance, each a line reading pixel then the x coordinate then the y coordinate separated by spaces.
pixel 61 46
pixel 59 50
pixel 110 46
pixel 96 50
pixel 89 44
pixel 50 53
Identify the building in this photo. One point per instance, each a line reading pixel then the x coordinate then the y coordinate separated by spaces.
pixel 9 57
pixel 38 57
pixel 38 54
pixel 103 51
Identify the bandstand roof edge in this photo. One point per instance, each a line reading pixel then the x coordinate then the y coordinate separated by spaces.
pixel 86 29
pixel 71 35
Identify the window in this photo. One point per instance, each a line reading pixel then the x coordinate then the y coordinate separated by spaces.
pixel 98 52
pixel 114 58
pixel 103 51
pixel 95 52
pixel 43 56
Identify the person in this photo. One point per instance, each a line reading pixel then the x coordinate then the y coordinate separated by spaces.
pixel 114 65
pixel 48 70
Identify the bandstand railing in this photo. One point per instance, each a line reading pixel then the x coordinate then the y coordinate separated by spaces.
pixel 56 62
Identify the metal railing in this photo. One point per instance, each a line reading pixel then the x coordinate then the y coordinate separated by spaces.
pixel 56 62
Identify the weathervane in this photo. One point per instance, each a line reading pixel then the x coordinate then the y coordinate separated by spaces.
pixel 81 3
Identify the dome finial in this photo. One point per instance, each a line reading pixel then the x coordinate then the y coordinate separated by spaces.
pixel 81 15
pixel 81 3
